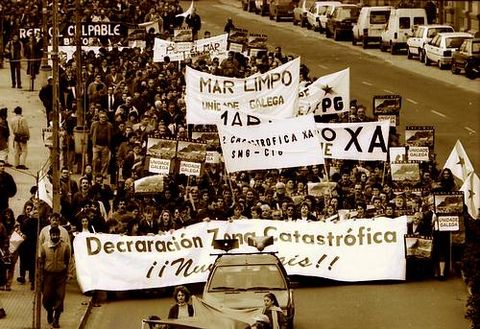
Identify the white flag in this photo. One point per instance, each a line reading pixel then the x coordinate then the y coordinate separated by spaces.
pixel 329 94
pixel 187 12
pixel 45 190
pixel 471 191
pixel 156 25
pixel 459 163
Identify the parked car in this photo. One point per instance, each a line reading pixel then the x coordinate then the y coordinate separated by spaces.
pixel 282 9
pixel 439 50
pixel 317 14
pixel 300 13
pixel 239 280
pixel 248 5
pixel 262 7
pixel 423 35
pixel 400 27
pixel 370 24
pixel 467 58
pixel 340 22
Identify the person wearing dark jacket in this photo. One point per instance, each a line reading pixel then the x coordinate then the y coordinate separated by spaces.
pixel 7 186
pixel 181 308
pixel 194 22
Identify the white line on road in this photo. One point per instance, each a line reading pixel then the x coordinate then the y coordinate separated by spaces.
pixel 470 130
pixel 367 83
pixel 388 91
pixel 323 66
pixel 411 101
pixel 439 113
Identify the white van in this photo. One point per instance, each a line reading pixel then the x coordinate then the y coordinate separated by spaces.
pixel 400 27
pixel 370 24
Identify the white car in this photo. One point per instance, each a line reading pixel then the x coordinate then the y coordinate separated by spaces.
pixel 317 14
pixel 300 13
pixel 423 35
pixel 439 50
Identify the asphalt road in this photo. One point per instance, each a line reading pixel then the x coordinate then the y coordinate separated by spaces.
pixel 410 305
pixel 430 96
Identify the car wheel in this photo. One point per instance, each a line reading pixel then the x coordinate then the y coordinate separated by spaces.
pixel 336 35
pixel 295 22
pixel 470 72
pixel 277 18
pixel 392 49
pixel 421 55
pixel 364 43
pixel 442 66
pixel 270 16
pixel 327 33
pixel 409 54
pixel 303 23
pixel 320 28
pixel 382 46
pixel 354 40
pixel 426 60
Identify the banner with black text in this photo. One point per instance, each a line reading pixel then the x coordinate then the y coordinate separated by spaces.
pixel 268 96
pixel 360 250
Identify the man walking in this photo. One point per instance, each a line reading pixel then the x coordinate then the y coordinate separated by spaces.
pixel 101 133
pixel 14 51
pixel 54 260
pixel 46 96
pixel 21 135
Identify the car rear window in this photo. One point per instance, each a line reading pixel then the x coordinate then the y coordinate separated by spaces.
pixel 418 20
pixel 454 42
pixel 433 32
pixel 476 48
pixel 379 17
pixel 247 277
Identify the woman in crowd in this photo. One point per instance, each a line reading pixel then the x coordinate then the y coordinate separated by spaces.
pixel 274 312
pixel 182 308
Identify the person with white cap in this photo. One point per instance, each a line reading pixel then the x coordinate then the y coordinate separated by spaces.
pixel 46 96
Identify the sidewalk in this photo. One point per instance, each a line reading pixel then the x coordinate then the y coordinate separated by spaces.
pixel 18 303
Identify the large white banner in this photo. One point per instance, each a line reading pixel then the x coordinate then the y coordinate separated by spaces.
pixel 177 51
pixel 329 94
pixel 281 144
pixel 271 95
pixel 360 250
pixel 355 141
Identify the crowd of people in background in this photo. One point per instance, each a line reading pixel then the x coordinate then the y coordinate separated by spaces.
pixel 129 98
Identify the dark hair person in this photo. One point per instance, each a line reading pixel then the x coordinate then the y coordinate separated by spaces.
pixel 274 312
pixel 181 308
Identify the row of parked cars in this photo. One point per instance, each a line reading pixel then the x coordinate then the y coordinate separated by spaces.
pixel 391 29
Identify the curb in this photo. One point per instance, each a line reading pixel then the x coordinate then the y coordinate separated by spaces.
pixel 86 314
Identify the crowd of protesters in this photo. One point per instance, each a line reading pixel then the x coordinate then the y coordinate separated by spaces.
pixel 129 97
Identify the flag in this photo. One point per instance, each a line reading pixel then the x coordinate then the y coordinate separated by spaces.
pixel 471 191
pixel 187 12
pixel 459 163
pixel 157 25
pixel 45 190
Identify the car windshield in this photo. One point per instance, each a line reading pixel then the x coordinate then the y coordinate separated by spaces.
pixel 268 277
pixel 476 48
pixel 345 13
pixel 454 42
pixel 435 31
pixel 379 17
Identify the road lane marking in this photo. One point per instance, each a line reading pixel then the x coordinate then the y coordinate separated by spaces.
pixel 411 101
pixel 438 113
pixel 367 83
pixel 323 66
pixel 470 130
pixel 388 91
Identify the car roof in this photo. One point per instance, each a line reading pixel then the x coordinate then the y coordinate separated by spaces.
pixel 434 26
pixel 247 259
pixel 455 34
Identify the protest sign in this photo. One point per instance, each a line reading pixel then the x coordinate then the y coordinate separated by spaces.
pixel 177 51
pixel 259 98
pixel 208 135
pixel 387 107
pixel 182 35
pixel 448 203
pixel 405 172
pixel 448 223
pixel 418 153
pixel 360 250
pixel 281 144
pixel 237 39
pixel 420 136
pixel 159 166
pixel 329 94
pixel 321 188
pixel 162 148
pixel 354 141
pixel 397 154
pixel 192 155
pixel 257 43
pixel 47 136
pixel 419 247
pixel 149 185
